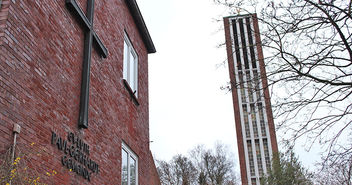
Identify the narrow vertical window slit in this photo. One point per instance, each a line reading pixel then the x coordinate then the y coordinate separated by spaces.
pixel 237 49
pixel 251 44
pixel 244 47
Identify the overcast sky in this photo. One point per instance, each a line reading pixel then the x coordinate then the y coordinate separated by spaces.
pixel 187 106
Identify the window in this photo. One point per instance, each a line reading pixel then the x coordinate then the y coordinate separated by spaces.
pixel 256 79
pixel 259 157
pixel 243 96
pixel 249 86
pixel 254 182
pixel 237 46
pixel 266 153
pixel 129 170
pixel 246 121
pixel 250 40
pixel 130 65
pixel 261 118
pixel 250 157
pixel 254 120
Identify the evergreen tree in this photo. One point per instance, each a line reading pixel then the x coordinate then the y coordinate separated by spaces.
pixel 287 170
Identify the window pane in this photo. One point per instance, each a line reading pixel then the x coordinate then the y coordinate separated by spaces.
pixel 136 75
pixel 124 170
pixel 257 84
pixel 249 86
pixel 250 157
pixel 125 60
pixel 246 121
pixel 261 117
pixel 132 72
pixel 133 171
pixel 254 120
pixel 266 153
pixel 243 96
pixel 130 66
pixel 254 182
pixel 259 157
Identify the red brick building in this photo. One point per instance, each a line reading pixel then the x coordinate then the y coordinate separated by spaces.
pixel 78 90
pixel 256 138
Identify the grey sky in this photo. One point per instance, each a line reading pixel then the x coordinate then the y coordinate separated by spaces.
pixel 187 106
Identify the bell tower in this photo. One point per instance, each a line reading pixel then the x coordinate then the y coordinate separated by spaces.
pixel 255 128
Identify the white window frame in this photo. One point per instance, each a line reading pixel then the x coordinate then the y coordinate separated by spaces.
pixel 130 65
pixel 130 154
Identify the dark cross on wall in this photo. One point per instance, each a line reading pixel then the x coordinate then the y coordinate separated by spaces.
pixel 90 37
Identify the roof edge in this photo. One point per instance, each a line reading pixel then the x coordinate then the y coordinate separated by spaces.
pixel 240 15
pixel 142 28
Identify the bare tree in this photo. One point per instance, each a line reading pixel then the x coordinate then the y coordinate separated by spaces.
pixel 185 169
pixel 337 169
pixel 196 155
pixel 218 166
pixel 166 173
pixel 179 171
pixel 307 45
pixel 203 167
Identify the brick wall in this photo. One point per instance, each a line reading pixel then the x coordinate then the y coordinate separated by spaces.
pixel 41 55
